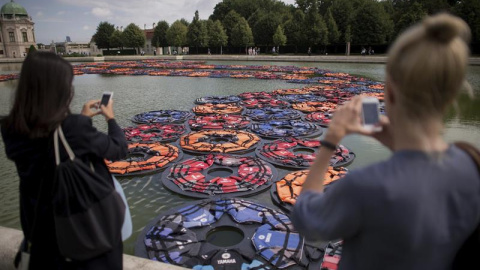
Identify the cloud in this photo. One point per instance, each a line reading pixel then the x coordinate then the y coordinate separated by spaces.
pixel 62 12
pixel 101 12
pixel 86 27
pixel 39 14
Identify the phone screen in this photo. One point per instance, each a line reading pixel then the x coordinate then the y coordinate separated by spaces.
pixel 105 99
pixel 370 113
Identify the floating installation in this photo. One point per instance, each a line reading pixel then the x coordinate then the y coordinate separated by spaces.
pixel 219 141
pixel 298 153
pixel 154 133
pixel 267 114
pixel 218 100
pixel 162 117
pixel 286 128
pixel 144 158
pixel 219 121
pixel 213 175
pixel 226 234
pixel 285 192
pixel 217 109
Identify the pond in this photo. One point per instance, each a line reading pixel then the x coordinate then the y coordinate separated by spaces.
pixel 135 94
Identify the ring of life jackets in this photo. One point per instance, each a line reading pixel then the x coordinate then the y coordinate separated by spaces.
pixel 217 109
pixel 320 118
pixel 268 114
pixel 219 121
pixel 219 141
pixel 162 117
pixel 182 236
pixel 154 133
pixel 298 153
pixel 217 100
pixel 286 128
pixel 144 158
pixel 219 174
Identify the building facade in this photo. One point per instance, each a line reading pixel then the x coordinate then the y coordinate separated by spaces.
pixel 17 31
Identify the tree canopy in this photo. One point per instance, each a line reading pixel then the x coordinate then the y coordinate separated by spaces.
pixel 159 38
pixel 102 36
pixel 177 34
pixel 133 36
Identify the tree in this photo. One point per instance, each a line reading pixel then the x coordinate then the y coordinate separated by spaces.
pixel 295 30
pixel 230 21
pixel 116 39
pixel 103 34
pixel 217 34
pixel 159 38
pixel 412 15
pixel 177 34
pixel 371 24
pixel 197 34
pixel 265 27
pixel 316 30
pixel 279 38
pixel 242 34
pixel 333 33
pixel 469 10
pixel 133 37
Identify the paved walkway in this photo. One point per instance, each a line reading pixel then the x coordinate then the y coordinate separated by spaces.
pixel 381 59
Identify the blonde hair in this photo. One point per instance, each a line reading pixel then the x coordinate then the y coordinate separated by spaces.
pixel 427 64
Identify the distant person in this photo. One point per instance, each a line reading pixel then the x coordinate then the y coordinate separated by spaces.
pixel 42 103
pixel 364 51
pixel 309 52
pixel 415 209
pixel 154 52
pixel 209 51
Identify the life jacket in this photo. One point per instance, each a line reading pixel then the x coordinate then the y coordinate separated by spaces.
pixel 285 128
pixel 153 133
pixel 217 109
pixel 267 114
pixel 222 141
pixel 220 121
pixel 144 157
pixel 217 100
pixel 162 116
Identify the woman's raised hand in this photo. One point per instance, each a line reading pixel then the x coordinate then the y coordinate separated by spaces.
pixel 90 108
pixel 107 111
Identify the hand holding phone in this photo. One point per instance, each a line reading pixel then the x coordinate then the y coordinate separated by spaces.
pixel 107 111
pixel 106 98
pixel 371 114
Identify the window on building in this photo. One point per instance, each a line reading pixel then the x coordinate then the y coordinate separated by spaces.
pixel 25 37
pixel 1 51
pixel 12 36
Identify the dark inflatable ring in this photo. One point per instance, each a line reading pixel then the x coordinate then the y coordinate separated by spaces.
pixel 300 153
pixel 154 133
pixel 218 100
pixel 315 106
pixel 258 103
pixel 256 95
pixel 217 109
pixel 144 158
pixel 214 175
pixel 320 118
pixel 226 234
pixel 337 96
pixel 267 114
pixel 286 128
pixel 302 98
pixel 285 192
pixel 221 121
pixel 162 117
pixel 219 141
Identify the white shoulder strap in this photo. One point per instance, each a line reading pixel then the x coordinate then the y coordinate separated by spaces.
pixel 59 132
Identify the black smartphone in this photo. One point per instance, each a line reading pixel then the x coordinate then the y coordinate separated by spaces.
pixel 106 98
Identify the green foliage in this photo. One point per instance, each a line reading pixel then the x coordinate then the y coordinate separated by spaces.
pixel 469 10
pixel 116 39
pixel 295 29
pixel 333 33
pixel 102 36
pixel 159 38
pixel 177 34
pixel 265 27
pixel 316 29
pixel 197 34
pixel 371 24
pixel 32 49
pixel 230 21
pixel 242 34
pixel 216 32
pixel 412 15
pixel 279 38
pixel 133 36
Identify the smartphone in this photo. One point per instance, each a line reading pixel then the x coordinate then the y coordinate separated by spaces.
pixel 106 98
pixel 371 114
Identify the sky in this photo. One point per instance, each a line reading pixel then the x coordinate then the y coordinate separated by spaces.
pixel 56 19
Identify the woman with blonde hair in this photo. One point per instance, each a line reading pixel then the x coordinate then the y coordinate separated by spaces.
pixel 417 208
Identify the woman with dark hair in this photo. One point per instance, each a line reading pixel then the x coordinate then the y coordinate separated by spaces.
pixel 41 104
pixel 415 209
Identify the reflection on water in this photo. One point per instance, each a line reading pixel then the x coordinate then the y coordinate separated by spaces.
pixel 135 94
